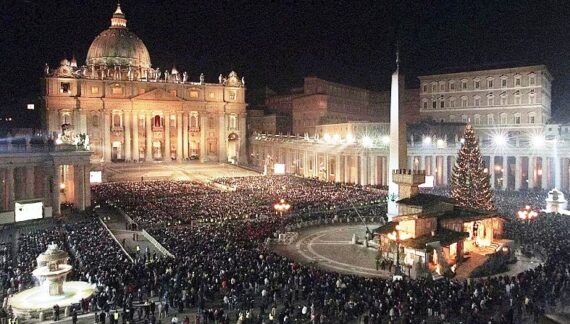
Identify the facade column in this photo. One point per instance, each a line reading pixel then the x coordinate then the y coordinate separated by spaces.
pixel 422 163
pixel 56 184
pixel 337 175
pixel 127 123
pixel 185 140
pixel 203 153
pixel 505 172
pixel 530 172
pixel 136 151
pixel 492 170
pixel 179 145
pixel 518 173
pixel 222 155
pixel 363 169
pixel 445 170
pixel 107 137
pixel 148 127
pixel 346 170
pixel 373 163
pixel 30 182
pixel 78 185
pixel 385 171
pixel 167 156
pixel 10 192
pixel 243 158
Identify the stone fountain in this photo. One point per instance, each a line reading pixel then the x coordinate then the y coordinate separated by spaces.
pixel 556 202
pixel 53 290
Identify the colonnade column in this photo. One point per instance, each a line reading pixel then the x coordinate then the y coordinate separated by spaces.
pixel 373 163
pixel 364 170
pixel 445 171
pixel 385 170
pixel 491 169
pixel 127 123
pixel 107 137
pixel 30 182
pixel 185 135
pixel 56 183
pixel 544 181
pixel 10 189
pixel 136 151
pixel 87 185
pixel 79 186
pixel 148 126
pixel 564 174
pixel 518 173
pixel 167 156
pixel 530 172
pixel 433 170
pixel 505 172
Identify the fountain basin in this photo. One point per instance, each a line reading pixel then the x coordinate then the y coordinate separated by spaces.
pixel 30 302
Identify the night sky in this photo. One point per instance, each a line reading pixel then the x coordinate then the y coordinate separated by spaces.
pixel 276 44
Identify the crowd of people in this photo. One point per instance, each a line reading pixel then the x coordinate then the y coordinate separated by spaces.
pixel 225 272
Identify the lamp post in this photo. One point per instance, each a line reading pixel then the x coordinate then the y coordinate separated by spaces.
pixel 527 214
pixel 398 236
pixel 281 206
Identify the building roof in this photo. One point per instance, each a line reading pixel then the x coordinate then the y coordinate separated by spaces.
pixel 385 229
pixel 424 200
pixel 444 236
pixel 467 214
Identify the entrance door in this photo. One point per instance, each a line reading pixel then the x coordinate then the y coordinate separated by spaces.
pixel 156 150
pixel 117 151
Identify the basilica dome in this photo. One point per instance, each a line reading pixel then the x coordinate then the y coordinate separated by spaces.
pixel 118 46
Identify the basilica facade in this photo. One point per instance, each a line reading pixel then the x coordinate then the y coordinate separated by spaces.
pixel 131 111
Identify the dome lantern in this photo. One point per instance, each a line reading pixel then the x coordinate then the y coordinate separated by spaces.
pixel 118 20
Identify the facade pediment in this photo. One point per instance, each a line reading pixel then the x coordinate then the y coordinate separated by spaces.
pixel 157 94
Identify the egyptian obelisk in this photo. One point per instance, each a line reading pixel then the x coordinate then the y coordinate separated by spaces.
pixel 398 143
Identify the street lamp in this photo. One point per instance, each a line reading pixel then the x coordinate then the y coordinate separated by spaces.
pixel 398 236
pixel 527 214
pixel 281 206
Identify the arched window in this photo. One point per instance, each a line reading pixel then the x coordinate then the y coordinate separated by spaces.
pixel 157 121
pixel 233 121
pixel 116 120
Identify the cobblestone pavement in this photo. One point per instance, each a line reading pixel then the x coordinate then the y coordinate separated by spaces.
pixel 192 170
pixel 331 247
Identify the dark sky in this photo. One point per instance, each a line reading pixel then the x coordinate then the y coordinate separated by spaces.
pixel 277 43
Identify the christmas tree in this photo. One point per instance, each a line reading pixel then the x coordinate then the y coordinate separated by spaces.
pixel 470 185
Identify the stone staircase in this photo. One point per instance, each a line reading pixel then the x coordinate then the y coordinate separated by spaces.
pixel 485 250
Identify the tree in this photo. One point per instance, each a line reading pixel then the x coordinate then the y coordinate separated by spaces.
pixel 470 185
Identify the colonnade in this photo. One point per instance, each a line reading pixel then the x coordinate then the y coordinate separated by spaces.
pixel 508 170
pixel 52 177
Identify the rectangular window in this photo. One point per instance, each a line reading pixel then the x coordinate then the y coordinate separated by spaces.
pixel 452 86
pixel 232 95
pixel 425 88
pixel 212 95
pixel 425 105
pixel 434 104
pixel 173 92
pixel 94 90
pixel 117 90
pixel 477 102
pixel 517 119
pixel 504 83
pixel 442 87
pixel 442 104
pixel 65 87
pixel 452 103
pixel 531 119
pixel 477 84
pixel 532 80
pixel 489 101
pixel 518 82
pixel 193 94
pixel 503 100
pixel 463 102
pixel 490 84
pixel 464 85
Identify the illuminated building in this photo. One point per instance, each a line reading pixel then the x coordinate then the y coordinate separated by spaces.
pixel 132 111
